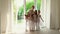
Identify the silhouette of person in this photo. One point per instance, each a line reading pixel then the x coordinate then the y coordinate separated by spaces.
pixel 30 18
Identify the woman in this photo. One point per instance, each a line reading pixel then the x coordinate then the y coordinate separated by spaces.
pixel 30 19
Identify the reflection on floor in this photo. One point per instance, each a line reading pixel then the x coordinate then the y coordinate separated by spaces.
pixel 42 31
pixel 20 29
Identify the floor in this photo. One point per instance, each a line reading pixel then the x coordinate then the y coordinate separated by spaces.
pixel 20 29
pixel 42 31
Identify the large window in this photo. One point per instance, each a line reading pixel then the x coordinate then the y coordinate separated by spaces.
pixel 38 4
pixel 29 3
pixel 22 6
pixel 18 7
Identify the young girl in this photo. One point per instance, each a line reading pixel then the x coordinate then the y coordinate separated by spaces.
pixel 38 20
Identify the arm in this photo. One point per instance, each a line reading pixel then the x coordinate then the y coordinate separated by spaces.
pixel 41 18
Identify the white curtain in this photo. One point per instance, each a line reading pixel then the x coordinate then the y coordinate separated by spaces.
pixel 6 16
pixel 10 21
pixel 45 12
pixel 54 18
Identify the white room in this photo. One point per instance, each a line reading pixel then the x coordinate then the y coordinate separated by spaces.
pixel 50 11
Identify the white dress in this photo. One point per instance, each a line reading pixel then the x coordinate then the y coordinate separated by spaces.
pixel 30 21
pixel 38 23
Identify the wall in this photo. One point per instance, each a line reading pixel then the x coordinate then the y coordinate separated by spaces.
pixel 59 12
pixel 54 17
pixel 0 22
pixel 0 17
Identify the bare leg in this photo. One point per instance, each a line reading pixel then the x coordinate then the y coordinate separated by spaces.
pixel 32 26
pixel 37 27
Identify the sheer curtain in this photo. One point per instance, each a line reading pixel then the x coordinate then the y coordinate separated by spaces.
pixel 9 23
pixel 6 19
pixel 45 12
pixel 54 18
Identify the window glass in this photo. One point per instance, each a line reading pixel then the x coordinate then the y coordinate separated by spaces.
pixel 29 3
pixel 38 4
pixel 18 8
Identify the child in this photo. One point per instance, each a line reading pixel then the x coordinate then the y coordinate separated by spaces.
pixel 38 20
pixel 35 18
pixel 26 18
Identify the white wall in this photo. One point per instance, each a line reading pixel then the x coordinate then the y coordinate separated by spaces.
pixel 54 18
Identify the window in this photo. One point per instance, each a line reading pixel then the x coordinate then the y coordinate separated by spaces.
pixel 38 4
pixel 19 8
pixel 19 5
